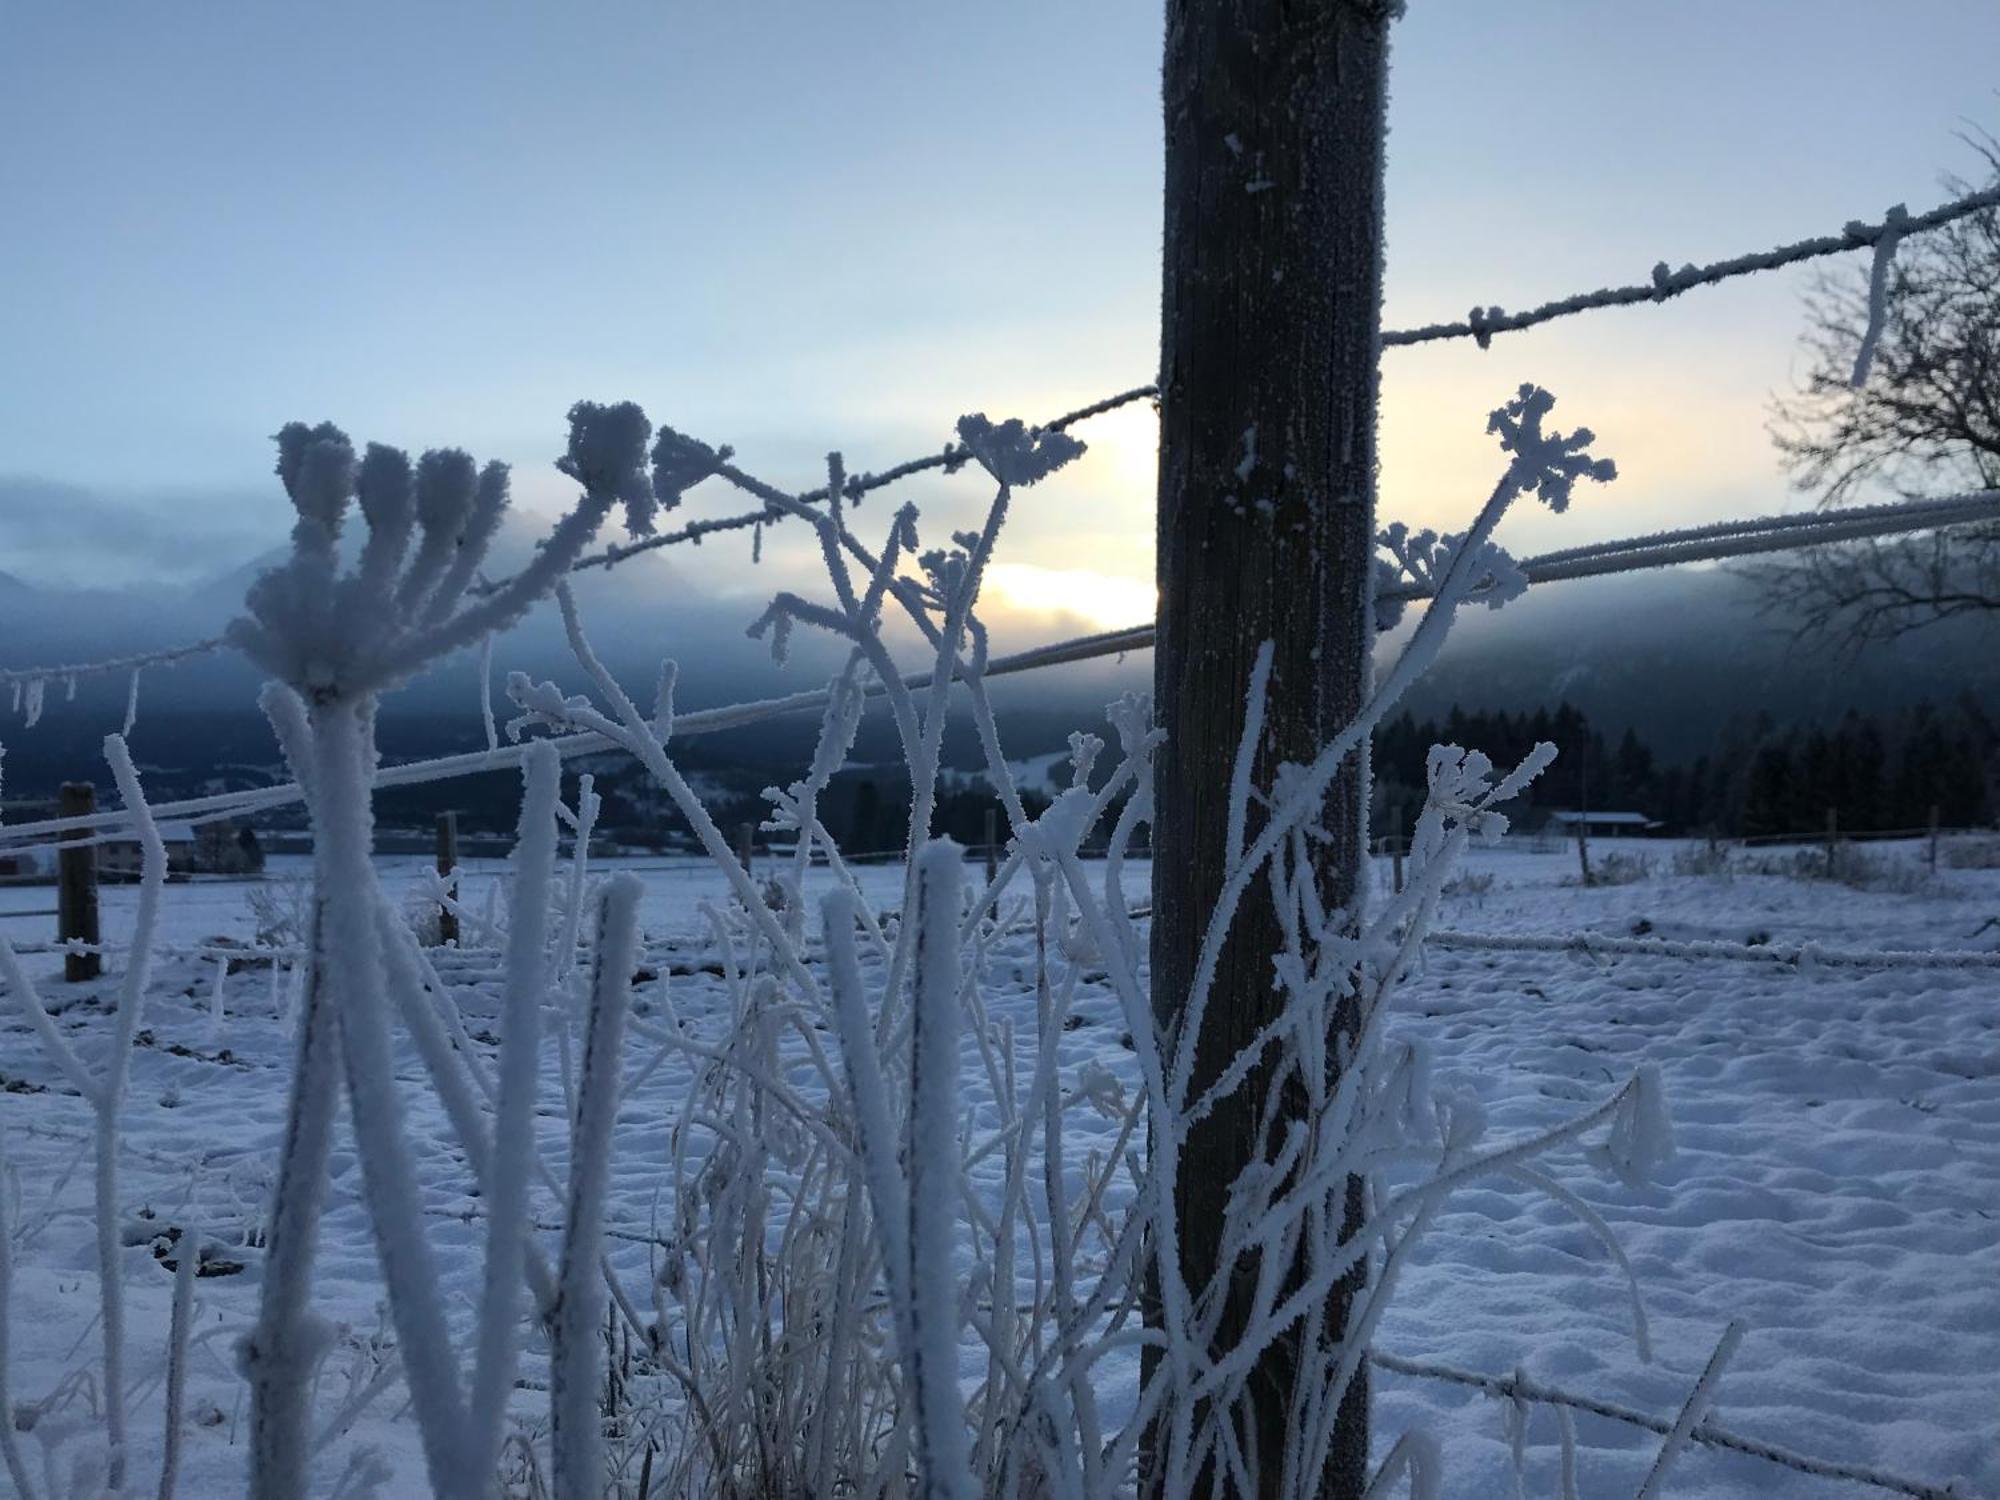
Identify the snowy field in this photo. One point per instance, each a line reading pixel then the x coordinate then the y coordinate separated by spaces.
pixel 1837 1185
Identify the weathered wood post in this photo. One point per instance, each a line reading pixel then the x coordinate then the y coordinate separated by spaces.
pixel 76 885
pixel 992 844
pixel 1270 337
pixel 746 844
pixel 447 862
pixel 1832 843
pixel 1399 844
pixel 1934 838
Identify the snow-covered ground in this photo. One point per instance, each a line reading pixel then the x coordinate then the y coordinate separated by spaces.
pixel 1837 1185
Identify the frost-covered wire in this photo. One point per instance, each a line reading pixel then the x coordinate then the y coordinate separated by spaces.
pixel 1663 549
pixel 1481 325
pixel 1805 956
pixel 1666 282
pixel 1520 1387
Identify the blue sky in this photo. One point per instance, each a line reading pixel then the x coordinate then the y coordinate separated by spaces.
pixel 796 226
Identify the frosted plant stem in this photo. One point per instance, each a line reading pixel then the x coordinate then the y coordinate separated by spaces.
pixel 575 1361
pixel 1692 1410
pixel 177 1358
pixel 343 826
pixel 284 1346
pixel 512 1156
pixel 10 1446
pixel 944 1458
pixel 110 1100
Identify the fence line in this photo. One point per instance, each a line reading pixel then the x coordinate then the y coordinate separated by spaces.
pixel 1794 955
pixel 1480 326
pixel 1661 549
pixel 1944 510
pixel 1518 1387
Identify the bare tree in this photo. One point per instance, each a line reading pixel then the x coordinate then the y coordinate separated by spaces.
pixel 1926 421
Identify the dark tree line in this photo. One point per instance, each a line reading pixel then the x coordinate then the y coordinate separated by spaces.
pixel 1880 771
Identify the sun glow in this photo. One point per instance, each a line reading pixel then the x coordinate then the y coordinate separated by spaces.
pixel 1105 600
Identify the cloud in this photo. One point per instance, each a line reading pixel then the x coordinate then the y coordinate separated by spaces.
pixel 57 533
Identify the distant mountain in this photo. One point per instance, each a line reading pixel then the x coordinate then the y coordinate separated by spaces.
pixel 1676 654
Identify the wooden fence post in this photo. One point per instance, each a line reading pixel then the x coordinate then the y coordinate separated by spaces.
pixel 76 885
pixel 1270 331
pixel 1832 843
pixel 992 843
pixel 1934 838
pixel 1399 845
pixel 447 862
pixel 746 844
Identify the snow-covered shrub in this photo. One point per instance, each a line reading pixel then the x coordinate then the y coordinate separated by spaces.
pixel 1709 859
pixel 863 1286
pixel 1620 868
pixel 280 910
pixel 843 1238
pixel 1970 854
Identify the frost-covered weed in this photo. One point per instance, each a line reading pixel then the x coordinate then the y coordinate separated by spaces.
pixel 1620 868
pixel 857 1286
pixel 1970 854
pixel 815 1278
pixel 1708 860
pixel 280 910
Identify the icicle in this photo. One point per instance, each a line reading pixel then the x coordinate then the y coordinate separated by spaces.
pixel 69 690
pixel 17 695
pixel 1514 1427
pixel 34 702
pixel 1878 292
pixel 215 999
pixel 131 704
pixel 486 691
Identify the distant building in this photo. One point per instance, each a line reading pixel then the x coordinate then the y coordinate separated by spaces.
pixel 224 847
pixel 22 865
pixel 1611 824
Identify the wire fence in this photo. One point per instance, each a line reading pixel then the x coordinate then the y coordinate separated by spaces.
pixel 1517 1387
pixel 1481 325
pixel 1721 540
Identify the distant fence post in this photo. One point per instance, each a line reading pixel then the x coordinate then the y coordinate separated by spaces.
pixel 1832 842
pixel 76 885
pixel 447 863
pixel 992 843
pixel 1934 838
pixel 746 844
pixel 1583 847
pixel 1398 843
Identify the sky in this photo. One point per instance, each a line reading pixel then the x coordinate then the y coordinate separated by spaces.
pixel 794 227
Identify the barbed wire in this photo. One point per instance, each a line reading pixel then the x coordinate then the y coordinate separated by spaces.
pixel 1798 955
pixel 1661 549
pixel 71 672
pixel 1518 1387
pixel 1941 510
pixel 1481 325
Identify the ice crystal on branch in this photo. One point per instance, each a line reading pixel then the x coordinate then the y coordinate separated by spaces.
pixel 607 456
pixel 680 463
pixel 1549 463
pixel 400 606
pixel 1424 558
pixel 1014 453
